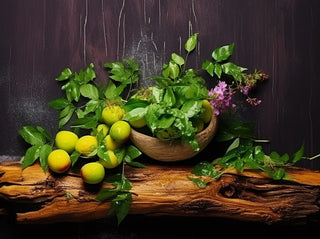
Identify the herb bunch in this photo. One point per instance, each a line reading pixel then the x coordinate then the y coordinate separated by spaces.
pixel 173 108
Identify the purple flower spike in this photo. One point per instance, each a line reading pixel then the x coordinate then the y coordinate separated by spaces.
pixel 221 97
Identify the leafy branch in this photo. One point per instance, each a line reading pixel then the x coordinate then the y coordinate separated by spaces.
pixel 120 195
pixel 243 154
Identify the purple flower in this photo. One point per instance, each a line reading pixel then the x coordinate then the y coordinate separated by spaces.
pixel 245 89
pixel 254 101
pixel 221 97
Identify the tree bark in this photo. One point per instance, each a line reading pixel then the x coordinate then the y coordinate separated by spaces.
pixel 32 196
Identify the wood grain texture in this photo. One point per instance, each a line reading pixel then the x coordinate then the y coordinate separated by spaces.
pixel 33 196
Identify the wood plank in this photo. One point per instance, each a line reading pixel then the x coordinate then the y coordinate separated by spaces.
pixel 36 197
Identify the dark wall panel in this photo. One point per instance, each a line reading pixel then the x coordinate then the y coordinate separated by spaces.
pixel 39 38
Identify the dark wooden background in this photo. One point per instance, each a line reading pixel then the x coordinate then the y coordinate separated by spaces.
pixel 39 38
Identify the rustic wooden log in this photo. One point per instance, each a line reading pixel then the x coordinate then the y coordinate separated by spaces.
pixel 32 196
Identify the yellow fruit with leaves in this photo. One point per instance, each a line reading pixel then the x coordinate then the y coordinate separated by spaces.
pixel 120 131
pixel 92 173
pixel 139 123
pixel 111 161
pixel 112 114
pixel 66 140
pixel 208 111
pixel 104 128
pixel 111 144
pixel 59 161
pixel 87 145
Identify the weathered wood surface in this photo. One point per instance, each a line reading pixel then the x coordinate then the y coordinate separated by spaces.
pixel 33 196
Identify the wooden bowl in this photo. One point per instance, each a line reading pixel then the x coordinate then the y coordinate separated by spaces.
pixel 172 150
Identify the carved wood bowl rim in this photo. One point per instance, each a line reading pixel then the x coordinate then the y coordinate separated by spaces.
pixel 173 150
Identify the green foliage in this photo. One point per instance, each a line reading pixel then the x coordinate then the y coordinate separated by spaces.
pixel 219 65
pixel 191 43
pixel 41 147
pixel 81 85
pixel 76 85
pixel 229 130
pixel 120 196
pixel 175 102
pixel 242 155
pixel 124 74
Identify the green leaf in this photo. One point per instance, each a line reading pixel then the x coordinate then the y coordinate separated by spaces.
pixel 191 107
pixel 120 182
pixel 45 150
pixel 65 115
pixel 132 64
pixel 89 74
pixel 116 67
pixel 102 153
pixel 163 82
pixel 173 70
pixel 206 169
pixel 120 153
pixel 235 144
pixel 135 114
pixel 75 90
pixel 74 157
pixel 177 59
pixel 110 90
pixel 126 74
pixel 200 183
pixel 274 156
pixel 186 128
pixel 230 68
pixel 32 135
pixel 218 70
pixel 208 67
pixel 298 155
pixel 223 136
pixel 65 74
pixel 133 103
pixel 278 174
pixel 157 94
pixel 59 104
pixel 166 71
pixel 121 206
pixel 285 158
pixel 232 129
pixel 259 154
pixel 191 43
pixel 223 53
pixel 89 91
pixel 105 194
pixel 72 89
pixel 80 113
pixel 91 106
pixel 169 99
pixel 125 184
pixel 164 121
pixel 31 156
pixel 85 123
pixel 238 164
pixel 132 153
pixel 44 133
